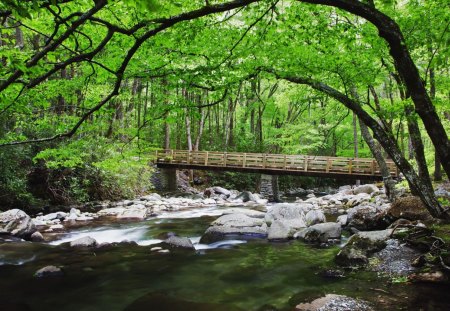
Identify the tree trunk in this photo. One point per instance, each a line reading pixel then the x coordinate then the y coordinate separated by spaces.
pixel 386 140
pixel 355 142
pixel 437 162
pixel 390 31
pixel 388 181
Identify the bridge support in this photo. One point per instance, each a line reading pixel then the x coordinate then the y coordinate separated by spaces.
pixel 269 187
pixel 165 179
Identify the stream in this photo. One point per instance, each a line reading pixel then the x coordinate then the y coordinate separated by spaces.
pixel 234 274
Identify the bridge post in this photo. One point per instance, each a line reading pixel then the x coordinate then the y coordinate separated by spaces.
pixel 165 179
pixel 269 187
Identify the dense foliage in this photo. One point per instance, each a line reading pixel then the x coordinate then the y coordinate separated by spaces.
pixel 98 85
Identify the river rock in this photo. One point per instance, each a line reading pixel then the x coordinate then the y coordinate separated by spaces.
pixel 246 211
pixel 17 223
pixel 320 232
pixel 238 220
pixel 279 231
pixel 114 211
pixel 222 191
pixel 246 196
pixel 291 215
pixel 410 207
pixel 362 245
pixel 86 241
pixel 366 217
pixel 48 271
pixel 37 237
pixel 332 302
pixel 179 242
pixel 151 197
pixel 342 220
pixel 234 224
pixel 53 216
pixel 368 188
pixel 134 211
pixel 395 259
pixel 314 216
pixel 429 277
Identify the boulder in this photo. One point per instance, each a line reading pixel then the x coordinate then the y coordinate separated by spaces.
pixel 320 232
pixel 279 231
pixel 48 271
pixel 37 237
pixel 314 216
pixel 234 224
pixel 342 220
pixel 291 215
pixel 332 302
pixel 11 215
pixel 86 241
pixel 366 217
pixel 368 188
pixel 362 245
pixel 17 223
pixel 222 191
pixel 151 197
pixel 395 259
pixel 246 196
pixel 410 207
pixel 218 233
pixel 53 216
pixel 179 242
pixel 248 212
pixel 135 211
pixel 237 221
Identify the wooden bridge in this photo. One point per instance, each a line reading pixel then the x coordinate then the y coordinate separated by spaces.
pixel 273 164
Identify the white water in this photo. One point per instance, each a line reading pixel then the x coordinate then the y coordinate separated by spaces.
pixel 193 213
pixel 139 233
pixel 106 235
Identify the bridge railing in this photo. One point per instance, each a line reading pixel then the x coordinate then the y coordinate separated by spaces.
pixel 338 165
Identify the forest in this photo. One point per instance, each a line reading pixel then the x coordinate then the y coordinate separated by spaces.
pixel 92 90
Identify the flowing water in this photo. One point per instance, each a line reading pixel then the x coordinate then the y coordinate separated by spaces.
pixel 228 275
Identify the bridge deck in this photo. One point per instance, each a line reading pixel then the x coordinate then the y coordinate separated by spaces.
pixel 277 164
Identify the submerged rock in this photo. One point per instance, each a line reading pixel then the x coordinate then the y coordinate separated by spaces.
pixel 48 271
pixel 320 232
pixel 162 302
pixel 179 242
pixel 86 241
pixel 332 302
pixel 37 237
pixel 360 246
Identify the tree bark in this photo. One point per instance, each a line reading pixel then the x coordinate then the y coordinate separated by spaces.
pixel 388 181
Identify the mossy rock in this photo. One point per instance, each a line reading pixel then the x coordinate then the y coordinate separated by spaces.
pixel 410 207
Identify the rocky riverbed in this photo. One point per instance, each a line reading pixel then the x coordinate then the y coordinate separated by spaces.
pixel 365 229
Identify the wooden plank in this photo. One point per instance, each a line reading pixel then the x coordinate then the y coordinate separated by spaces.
pixel 206 158
pixel 350 166
pixel 245 159
pixel 305 167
